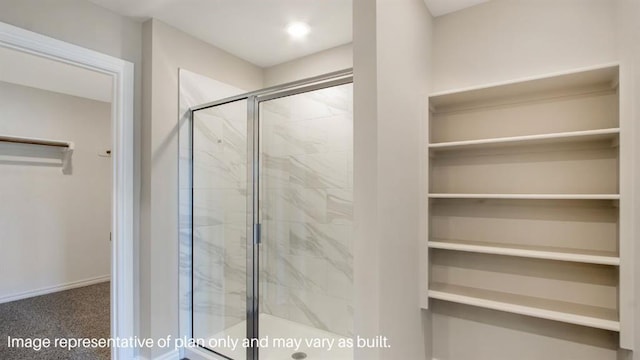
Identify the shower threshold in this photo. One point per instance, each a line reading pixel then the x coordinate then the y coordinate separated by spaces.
pixel 273 327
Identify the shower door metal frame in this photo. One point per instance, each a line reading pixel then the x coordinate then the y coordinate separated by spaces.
pixel 254 99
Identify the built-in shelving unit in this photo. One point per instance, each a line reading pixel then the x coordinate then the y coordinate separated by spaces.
pixel 524 199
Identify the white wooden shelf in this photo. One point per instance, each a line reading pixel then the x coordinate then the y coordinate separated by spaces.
pixel 527 196
pixel 536 252
pixel 540 139
pixel 66 147
pixel 548 86
pixel 591 316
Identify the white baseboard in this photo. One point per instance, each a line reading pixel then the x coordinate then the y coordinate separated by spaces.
pixel 52 289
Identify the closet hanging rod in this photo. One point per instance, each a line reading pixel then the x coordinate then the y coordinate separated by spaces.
pixel 36 141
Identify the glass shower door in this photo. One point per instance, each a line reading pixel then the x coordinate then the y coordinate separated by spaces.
pixel 220 226
pixel 272 220
pixel 306 216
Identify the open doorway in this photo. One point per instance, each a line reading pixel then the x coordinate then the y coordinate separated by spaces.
pixel 55 218
pixel 53 134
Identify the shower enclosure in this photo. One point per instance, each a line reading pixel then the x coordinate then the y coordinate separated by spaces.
pixel 271 221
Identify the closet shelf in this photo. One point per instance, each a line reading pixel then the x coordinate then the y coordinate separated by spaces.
pixel 68 145
pixel 536 252
pixel 526 196
pixel 562 137
pixel 585 315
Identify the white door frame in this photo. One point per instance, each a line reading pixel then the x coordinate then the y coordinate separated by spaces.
pixel 122 253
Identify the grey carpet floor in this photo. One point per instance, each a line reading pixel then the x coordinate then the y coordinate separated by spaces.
pixel 77 313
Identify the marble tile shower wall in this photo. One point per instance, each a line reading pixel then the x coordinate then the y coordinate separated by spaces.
pixel 307 216
pixel 219 208
pixel 306 209
pixel 220 216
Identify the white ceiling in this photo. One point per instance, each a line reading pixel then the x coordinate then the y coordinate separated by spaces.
pixel 254 30
pixel 441 7
pixel 25 69
pixel 251 29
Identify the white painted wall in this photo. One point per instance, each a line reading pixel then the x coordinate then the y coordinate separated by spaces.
pixel 628 26
pixel 78 22
pixel 54 228
pixel 165 51
pixel 510 39
pixel 366 271
pixel 323 62
pixel 391 62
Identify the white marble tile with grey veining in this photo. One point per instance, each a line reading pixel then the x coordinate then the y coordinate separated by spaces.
pixel 321 170
pixel 340 206
pixel 306 211
pixel 220 180
pixel 306 189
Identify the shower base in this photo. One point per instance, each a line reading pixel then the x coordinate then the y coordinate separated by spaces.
pixel 275 327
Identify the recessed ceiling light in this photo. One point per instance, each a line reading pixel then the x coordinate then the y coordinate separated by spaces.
pixel 298 30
